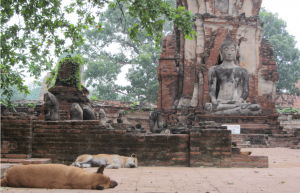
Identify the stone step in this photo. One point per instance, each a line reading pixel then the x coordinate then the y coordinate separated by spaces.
pixel 246 153
pixel 37 161
pixel 27 161
pixel 244 145
pixel 15 156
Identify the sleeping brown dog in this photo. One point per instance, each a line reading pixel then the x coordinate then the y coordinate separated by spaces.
pixel 56 176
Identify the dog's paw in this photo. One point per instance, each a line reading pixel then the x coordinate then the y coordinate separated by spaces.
pixel 112 167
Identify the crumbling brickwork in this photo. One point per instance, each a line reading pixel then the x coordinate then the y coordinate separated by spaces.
pixel 210 148
pixel 167 73
pixel 184 64
pixel 268 140
pixel 16 135
pixel 63 141
pixel 66 96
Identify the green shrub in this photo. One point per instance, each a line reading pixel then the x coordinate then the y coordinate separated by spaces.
pixel 94 98
pixel 288 110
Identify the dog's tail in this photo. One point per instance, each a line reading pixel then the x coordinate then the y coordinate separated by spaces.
pixel 4 181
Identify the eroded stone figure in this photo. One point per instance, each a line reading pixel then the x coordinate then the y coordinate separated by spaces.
pixel 76 112
pixel 229 84
pixel 156 122
pixel 181 127
pixel 88 113
pixel 102 119
pixel 51 107
pixel 120 117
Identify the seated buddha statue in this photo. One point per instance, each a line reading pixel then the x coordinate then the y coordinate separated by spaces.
pixel 229 84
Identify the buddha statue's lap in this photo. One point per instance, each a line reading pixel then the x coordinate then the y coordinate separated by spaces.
pixel 233 84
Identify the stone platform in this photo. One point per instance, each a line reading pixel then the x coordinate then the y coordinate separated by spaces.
pixel 26 161
pixel 8 163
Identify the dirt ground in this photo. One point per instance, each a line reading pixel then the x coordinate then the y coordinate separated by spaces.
pixel 283 175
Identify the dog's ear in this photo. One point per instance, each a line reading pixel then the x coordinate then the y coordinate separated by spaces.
pixel 133 155
pixel 100 169
pixel 99 187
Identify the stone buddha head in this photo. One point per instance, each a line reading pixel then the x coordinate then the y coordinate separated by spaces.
pixel 228 49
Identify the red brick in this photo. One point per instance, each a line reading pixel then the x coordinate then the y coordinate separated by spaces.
pixel 182 145
pixel 120 131
pixel 15 160
pixel 180 154
pixel 164 163
pixel 226 153
pixel 15 156
pixel 4 160
pixel 194 148
pixel 179 159
pixel 39 130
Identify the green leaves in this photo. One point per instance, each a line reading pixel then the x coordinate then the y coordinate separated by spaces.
pixel 150 13
pixel 43 28
pixel 286 55
pixel 103 68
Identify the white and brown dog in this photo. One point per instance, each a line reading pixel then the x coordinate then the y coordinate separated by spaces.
pixel 110 161
pixel 56 176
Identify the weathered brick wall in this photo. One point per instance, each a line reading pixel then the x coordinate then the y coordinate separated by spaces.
pixel 286 100
pixel 16 134
pixel 267 72
pixel 66 96
pixel 210 148
pixel 249 124
pixel 167 73
pixel 63 141
pixel 271 141
pixel 248 161
pixel 30 107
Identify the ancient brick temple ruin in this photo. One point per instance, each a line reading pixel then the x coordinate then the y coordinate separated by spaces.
pixel 184 65
pixel 67 92
pixel 184 93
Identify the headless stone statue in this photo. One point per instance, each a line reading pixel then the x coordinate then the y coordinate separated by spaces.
pixel 102 119
pixel 232 82
pixel 76 112
pixel 51 107
pixel 88 113
pixel 120 117
pixel 156 122
pixel 181 127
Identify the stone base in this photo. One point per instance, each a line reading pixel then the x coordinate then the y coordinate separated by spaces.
pixel 8 163
pixel 27 161
pixel 249 124
pixel 66 96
